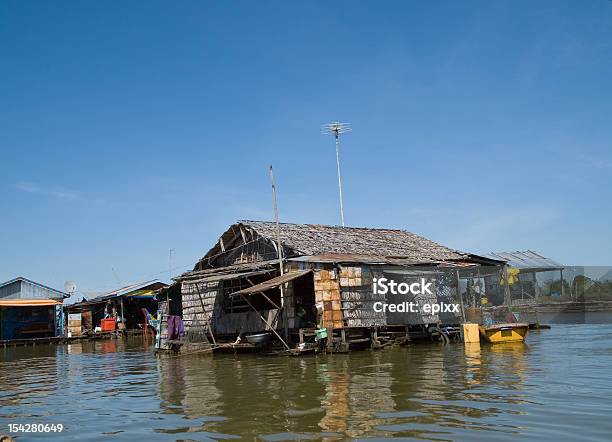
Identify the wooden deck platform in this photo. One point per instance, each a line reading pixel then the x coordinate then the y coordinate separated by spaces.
pixel 31 341
pixel 66 340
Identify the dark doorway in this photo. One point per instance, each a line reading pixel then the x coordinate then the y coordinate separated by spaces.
pixel 304 295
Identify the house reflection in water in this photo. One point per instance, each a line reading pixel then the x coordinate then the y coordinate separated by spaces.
pixel 406 392
pixel 353 400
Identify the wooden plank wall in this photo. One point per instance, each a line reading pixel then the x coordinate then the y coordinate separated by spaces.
pixel 162 313
pixel 194 295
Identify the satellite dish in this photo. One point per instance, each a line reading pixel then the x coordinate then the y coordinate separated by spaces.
pixel 70 287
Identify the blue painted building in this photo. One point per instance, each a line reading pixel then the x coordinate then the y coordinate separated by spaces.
pixel 30 310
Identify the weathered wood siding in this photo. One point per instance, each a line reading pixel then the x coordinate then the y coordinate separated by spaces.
pixel 199 301
pixel 203 305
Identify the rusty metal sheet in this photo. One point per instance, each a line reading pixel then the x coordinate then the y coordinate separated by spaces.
pixel 273 283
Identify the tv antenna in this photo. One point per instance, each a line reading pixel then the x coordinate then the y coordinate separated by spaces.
pixel 336 128
pixel 279 247
pixel 70 287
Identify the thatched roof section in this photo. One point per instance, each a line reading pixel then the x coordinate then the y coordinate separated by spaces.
pixel 349 244
pixel 316 239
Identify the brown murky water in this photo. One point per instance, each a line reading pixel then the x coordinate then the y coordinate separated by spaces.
pixel 558 386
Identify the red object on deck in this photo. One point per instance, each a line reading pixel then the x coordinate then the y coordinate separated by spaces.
pixel 108 324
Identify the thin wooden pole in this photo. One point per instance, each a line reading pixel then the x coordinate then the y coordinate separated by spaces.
pixel 280 254
pixel 265 322
pixel 507 296
pixel 212 336
pixel 123 316
pixel 264 295
pixel 562 285
pixel 460 297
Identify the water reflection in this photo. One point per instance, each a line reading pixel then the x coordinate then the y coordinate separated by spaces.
pixel 352 396
pixel 423 391
pixel 420 391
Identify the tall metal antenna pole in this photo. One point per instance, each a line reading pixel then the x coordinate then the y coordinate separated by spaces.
pixel 170 264
pixel 339 178
pixel 280 253
pixel 116 277
pixel 336 128
pixel 169 279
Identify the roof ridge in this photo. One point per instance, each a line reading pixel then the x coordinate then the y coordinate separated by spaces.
pixel 243 221
pixel 23 278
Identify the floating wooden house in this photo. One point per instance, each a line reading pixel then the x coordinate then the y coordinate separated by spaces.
pixel 30 310
pixel 238 288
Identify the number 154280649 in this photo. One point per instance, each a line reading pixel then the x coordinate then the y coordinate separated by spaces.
pixel 35 428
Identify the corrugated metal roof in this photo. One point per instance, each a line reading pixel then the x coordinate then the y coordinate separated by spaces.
pixel 124 290
pixel 526 260
pixel 37 284
pixel 272 283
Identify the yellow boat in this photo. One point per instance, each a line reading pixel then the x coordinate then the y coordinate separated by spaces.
pixel 500 333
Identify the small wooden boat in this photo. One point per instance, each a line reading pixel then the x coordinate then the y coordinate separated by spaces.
pixel 500 333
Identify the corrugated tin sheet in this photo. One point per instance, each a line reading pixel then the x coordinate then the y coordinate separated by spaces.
pixel 526 260
pixel 127 291
pixel 23 288
pixel 27 302
pixel 274 282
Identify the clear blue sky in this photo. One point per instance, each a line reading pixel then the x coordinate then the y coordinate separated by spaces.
pixel 129 128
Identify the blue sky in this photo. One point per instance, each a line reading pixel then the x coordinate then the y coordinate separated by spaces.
pixel 129 128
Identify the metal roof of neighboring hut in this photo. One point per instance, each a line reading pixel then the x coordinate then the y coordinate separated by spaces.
pixel 36 284
pixel 130 288
pixel 316 239
pixel 124 290
pixel 526 260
